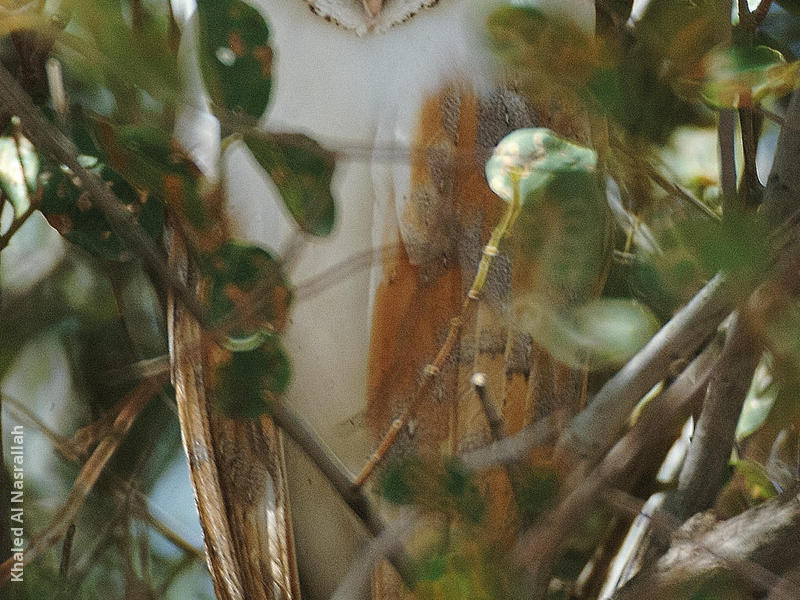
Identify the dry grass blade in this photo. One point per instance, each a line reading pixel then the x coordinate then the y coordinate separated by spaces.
pixel 66 448
pixel 134 402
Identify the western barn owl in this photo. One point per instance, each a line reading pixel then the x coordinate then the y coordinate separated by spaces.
pixel 371 78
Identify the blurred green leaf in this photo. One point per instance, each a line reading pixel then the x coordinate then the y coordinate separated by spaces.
pixel 536 44
pixel 150 160
pixel 143 154
pixel 632 83
pixel 756 479
pixel 679 33
pixel 462 567
pixel 235 56
pixel 793 6
pixel 248 294
pixel 600 334
pixel 737 245
pixel 743 77
pixel 246 383
pixel 396 482
pixel 612 15
pixel 122 56
pixel 302 171
pixel 19 169
pixel 71 211
pixel 562 240
pixel 443 486
pixel 537 491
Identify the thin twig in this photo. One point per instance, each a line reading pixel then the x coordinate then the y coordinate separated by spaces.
pixel 497 428
pixel 66 551
pixel 296 428
pixel 760 13
pixel 434 368
pixel 136 401
pixel 141 369
pixel 677 191
pixel 309 288
pixel 15 226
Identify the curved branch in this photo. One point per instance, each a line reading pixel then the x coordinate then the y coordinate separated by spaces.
pixel 753 549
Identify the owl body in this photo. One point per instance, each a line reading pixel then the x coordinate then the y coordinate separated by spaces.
pixel 414 111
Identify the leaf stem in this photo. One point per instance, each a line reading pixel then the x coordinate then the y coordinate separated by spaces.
pixel 432 369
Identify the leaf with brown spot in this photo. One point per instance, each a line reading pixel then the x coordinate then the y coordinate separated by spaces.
pixel 235 58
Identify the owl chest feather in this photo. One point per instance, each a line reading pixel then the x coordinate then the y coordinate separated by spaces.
pixel 445 216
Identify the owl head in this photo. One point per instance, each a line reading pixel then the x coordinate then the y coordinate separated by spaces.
pixel 367 16
pixel 376 16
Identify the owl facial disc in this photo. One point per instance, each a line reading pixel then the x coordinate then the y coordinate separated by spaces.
pixel 366 16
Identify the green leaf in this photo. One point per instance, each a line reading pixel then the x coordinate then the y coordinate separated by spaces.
pixel 19 168
pixel 742 77
pixel 537 44
pixel 247 383
pixel 70 210
pixel 792 6
pixel 396 482
pixel 108 51
pixel 559 65
pixel 755 478
pixel 562 240
pixel 737 245
pixel 235 56
pixel 600 334
pixel 150 160
pixel 758 403
pixel 531 157
pixel 442 486
pixel 538 489
pixel 678 33
pixel 143 154
pixel 302 171
pixel 248 295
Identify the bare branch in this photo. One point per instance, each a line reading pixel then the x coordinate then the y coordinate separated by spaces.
pixel 783 185
pixel 594 430
pixel 621 467
pixel 727 151
pixel 753 548
pixel 704 470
